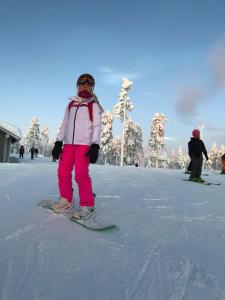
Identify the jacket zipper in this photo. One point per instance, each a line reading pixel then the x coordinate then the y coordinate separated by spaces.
pixel 75 122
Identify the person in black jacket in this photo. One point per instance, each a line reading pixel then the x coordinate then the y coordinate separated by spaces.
pixel 195 149
pixel 223 164
pixel 21 151
pixel 31 152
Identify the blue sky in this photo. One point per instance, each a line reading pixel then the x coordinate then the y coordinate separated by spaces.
pixel 173 51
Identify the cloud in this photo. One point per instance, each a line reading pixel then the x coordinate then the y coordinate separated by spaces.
pixel 216 60
pixel 213 128
pixel 190 97
pixel 188 100
pixel 113 77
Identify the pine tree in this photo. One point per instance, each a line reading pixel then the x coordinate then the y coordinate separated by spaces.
pixel 106 137
pixel 157 152
pixel 32 135
pixel 51 144
pixel 121 108
pixel 222 150
pixel 172 160
pixel 133 151
pixel 182 158
pixel 116 151
pixel 45 140
pixel 214 157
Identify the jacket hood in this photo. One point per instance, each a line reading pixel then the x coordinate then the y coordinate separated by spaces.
pixel 79 99
pixel 93 98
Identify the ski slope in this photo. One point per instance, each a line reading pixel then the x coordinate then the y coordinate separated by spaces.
pixel 170 244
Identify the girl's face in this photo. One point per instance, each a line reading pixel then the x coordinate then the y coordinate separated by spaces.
pixel 85 84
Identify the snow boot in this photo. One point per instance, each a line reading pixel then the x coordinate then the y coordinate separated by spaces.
pixel 84 212
pixel 61 205
pixel 200 180
pixel 193 179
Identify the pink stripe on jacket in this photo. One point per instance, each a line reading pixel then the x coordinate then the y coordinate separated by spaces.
pixel 77 128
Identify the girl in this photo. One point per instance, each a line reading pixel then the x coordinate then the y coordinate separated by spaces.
pixel 80 132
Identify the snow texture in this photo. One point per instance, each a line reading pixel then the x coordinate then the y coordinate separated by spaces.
pixel 169 245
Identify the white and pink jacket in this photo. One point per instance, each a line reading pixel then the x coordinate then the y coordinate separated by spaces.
pixel 77 127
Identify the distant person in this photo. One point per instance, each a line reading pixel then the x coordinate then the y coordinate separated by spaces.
pixel 80 132
pixel 21 152
pixel 223 164
pixel 136 164
pixel 54 157
pixel 32 152
pixel 195 149
pixel 36 152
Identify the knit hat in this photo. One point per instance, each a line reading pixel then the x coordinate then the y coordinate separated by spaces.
pixel 196 133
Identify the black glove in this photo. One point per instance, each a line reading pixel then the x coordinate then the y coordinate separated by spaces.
pixel 57 149
pixel 207 158
pixel 93 153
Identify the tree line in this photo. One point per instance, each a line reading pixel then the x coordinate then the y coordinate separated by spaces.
pixel 126 149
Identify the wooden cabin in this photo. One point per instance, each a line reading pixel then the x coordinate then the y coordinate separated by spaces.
pixel 9 134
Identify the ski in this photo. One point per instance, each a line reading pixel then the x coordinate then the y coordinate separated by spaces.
pixel 204 183
pixel 189 173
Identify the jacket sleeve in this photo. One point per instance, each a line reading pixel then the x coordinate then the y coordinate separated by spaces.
pixel 189 149
pixel 63 127
pixel 204 150
pixel 97 124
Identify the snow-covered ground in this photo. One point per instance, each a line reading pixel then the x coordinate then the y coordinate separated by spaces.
pixel 169 245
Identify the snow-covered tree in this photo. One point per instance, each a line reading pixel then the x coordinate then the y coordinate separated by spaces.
pixel 214 157
pixel 51 144
pixel 172 163
pixel 116 151
pixel 181 157
pixel 133 151
pixel 178 159
pixel 32 135
pixel 157 153
pixel 222 150
pixel 144 161
pixel 121 108
pixel 45 140
pixel 106 137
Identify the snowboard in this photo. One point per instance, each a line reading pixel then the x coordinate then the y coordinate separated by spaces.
pixel 92 223
pixel 204 183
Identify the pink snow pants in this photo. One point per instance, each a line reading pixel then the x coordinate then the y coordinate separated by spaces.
pixel 73 156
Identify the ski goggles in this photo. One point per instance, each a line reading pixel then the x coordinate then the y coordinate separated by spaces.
pixel 86 80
